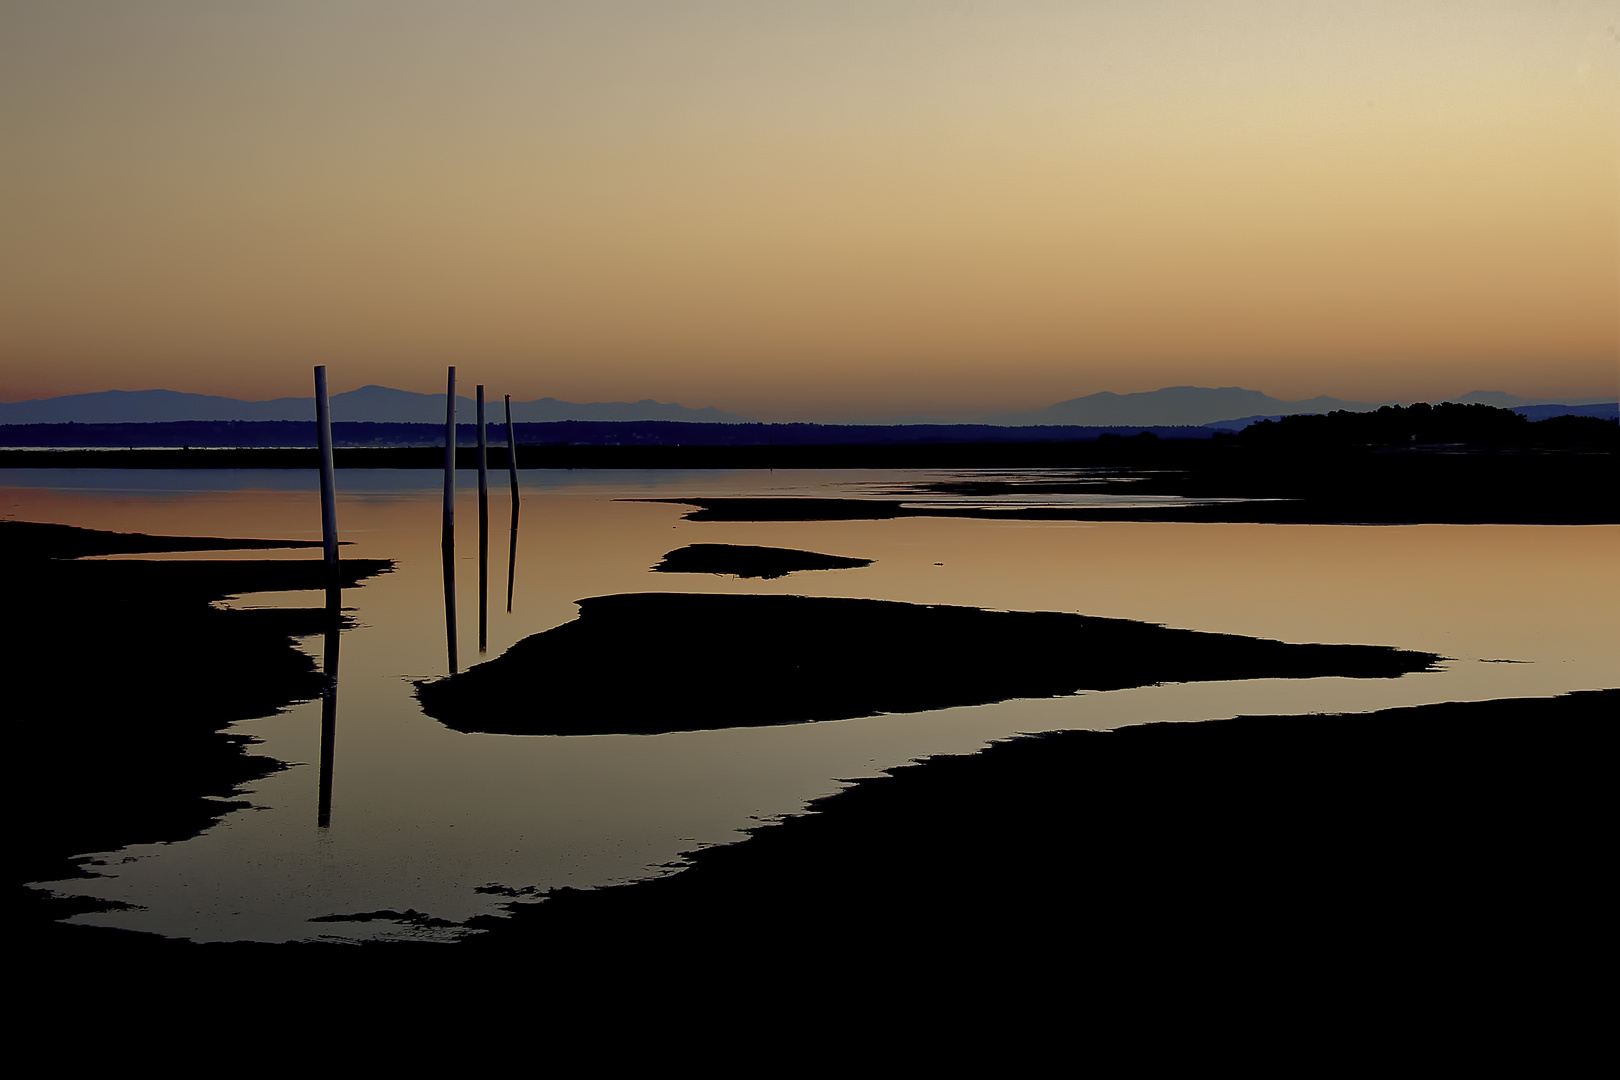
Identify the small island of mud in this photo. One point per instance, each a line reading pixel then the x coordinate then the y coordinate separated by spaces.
pixel 647 663
pixel 744 561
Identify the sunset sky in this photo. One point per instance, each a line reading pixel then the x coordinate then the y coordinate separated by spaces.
pixel 794 209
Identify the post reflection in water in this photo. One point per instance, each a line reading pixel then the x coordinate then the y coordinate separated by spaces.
pixel 450 602
pixel 483 572
pixel 329 668
pixel 511 472
pixel 511 560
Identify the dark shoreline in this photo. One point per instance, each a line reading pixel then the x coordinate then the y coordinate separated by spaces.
pixel 128 675
pixel 1445 849
pixel 1322 833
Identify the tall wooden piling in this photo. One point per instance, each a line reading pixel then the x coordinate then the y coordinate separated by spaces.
pixel 450 460
pixel 449 541
pixel 483 526
pixel 323 434
pixel 483 450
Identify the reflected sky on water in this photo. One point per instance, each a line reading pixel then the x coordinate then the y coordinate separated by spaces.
pixel 422 817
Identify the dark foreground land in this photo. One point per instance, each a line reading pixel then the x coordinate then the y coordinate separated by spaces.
pixel 122 676
pixel 1425 838
pixel 1374 872
pixel 645 663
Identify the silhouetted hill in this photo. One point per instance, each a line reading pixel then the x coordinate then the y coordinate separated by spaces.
pixel 1423 424
pixel 1174 406
pixel 1196 405
pixel 373 404
pixel 265 433
pixel 1232 408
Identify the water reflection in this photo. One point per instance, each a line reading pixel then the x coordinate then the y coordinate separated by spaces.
pixel 483 572
pixel 329 667
pixel 428 810
pixel 511 472
pixel 511 557
pixel 449 551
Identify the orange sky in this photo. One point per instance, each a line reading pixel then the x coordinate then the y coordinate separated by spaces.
pixel 811 208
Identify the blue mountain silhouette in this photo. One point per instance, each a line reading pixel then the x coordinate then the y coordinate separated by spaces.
pixel 1196 406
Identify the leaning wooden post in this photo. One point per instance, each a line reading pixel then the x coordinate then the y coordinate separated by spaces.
pixel 323 435
pixel 449 541
pixel 450 460
pixel 511 458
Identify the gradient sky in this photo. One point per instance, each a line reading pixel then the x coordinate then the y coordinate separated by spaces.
pixel 798 209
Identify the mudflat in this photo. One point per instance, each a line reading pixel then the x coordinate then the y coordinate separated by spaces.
pixel 749 561
pixel 645 663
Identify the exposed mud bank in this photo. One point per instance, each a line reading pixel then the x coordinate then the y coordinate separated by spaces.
pixel 645 663
pixel 746 561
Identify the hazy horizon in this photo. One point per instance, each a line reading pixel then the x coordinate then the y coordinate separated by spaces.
pixel 1165 397
pixel 797 210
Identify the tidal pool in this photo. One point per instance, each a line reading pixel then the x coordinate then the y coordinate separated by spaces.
pixel 450 825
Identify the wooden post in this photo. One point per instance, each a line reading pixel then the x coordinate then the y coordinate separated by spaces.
pixel 323 435
pixel 483 526
pixel 483 451
pixel 450 460
pixel 449 541
pixel 511 458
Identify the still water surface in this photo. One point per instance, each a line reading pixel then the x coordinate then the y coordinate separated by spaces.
pixel 424 818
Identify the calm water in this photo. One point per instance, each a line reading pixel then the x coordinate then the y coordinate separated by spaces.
pixel 423 817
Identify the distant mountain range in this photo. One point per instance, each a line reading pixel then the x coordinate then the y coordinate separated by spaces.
pixel 1231 406
pixel 1195 406
pixel 369 404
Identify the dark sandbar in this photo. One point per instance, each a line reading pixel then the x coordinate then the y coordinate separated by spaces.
pixel 1451 842
pixel 740 560
pixel 44 540
pixel 647 663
